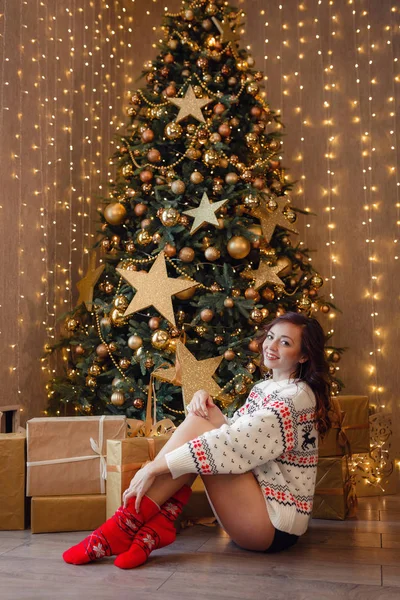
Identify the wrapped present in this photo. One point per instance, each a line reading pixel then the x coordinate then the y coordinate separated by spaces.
pixel 12 481
pixel 67 455
pixel 67 513
pixel 335 495
pixel 126 457
pixel 350 427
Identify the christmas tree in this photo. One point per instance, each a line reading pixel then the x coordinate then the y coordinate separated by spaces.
pixel 197 237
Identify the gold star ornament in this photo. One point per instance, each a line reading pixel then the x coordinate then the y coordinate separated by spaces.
pixel 191 374
pixel 227 34
pixel 86 285
pixel 270 219
pixel 205 212
pixel 154 288
pixel 266 274
pixel 190 106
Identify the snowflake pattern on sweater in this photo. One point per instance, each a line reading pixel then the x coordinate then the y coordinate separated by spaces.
pixel 273 435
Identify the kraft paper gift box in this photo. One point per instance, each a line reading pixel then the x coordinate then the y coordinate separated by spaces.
pixel 12 481
pixel 67 513
pixel 350 430
pixel 124 459
pixel 335 496
pixel 67 455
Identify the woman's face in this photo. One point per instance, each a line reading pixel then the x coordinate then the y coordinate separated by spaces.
pixel 282 350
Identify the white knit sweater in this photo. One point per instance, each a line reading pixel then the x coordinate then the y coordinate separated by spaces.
pixel 274 436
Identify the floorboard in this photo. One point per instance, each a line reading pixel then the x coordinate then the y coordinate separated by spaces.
pixel 355 559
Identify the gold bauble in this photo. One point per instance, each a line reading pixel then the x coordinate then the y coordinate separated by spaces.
pixel 332 369
pixel 124 363
pixel 231 178
pixel 251 138
pixel 171 346
pixel 285 264
pixel 72 324
pixel 170 217
pixel 173 131
pixel 250 367
pixel 160 339
pixel 317 281
pixel 186 254
pixel 229 303
pixel 219 339
pixel 113 346
pixel 253 346
pixel 211 157
pixel 291 216
pixel 229 355
pixel 178 187
pixel 274 145
pixel 121 302
pixel 154 323
pixel 186 294
pixel 241 388
pixel 236 292
pixel 117 318
pixel 238 247
pixel 272 204
pixel 144 238
pixel 138 403
pixel 196 177
pixel 117 398
pixel 255 229
pixel 207 315
pixel 251 201
pixel 242 65
pixel 268 294
pixel 252 294
pixel 91 382
pixel 79 349
pixel 211 253
pixel 256 315
pixel 127 171
pixel 215 288
pixel 134 342
pixel 304 303
pixel 94 370
pixel 200 330
pixel 130 247
pixel 325 308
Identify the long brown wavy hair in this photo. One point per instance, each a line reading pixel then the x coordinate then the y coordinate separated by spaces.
pixel 315 371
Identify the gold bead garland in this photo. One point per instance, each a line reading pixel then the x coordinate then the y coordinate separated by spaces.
pixel 194 4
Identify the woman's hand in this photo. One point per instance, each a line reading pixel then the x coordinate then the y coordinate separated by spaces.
pixel 139 485
pixel 199 404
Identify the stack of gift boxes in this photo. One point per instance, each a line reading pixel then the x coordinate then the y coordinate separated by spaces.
pixel 76 468
pixel 335 493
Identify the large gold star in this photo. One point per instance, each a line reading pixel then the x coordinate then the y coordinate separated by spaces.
pixel 265 274
pixel 86 285
pixel 227 34
pixel 154 288
pixel 270 219
pixel 189 105
pixel 205 212
pixel 191 374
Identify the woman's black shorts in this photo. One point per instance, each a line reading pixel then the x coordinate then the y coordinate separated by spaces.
pixel 282 541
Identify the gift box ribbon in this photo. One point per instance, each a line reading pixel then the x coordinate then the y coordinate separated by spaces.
pixel 338 423
pixel 96 447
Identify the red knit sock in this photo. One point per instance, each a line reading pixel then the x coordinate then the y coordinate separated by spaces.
pixel 115 535
pixel 156 533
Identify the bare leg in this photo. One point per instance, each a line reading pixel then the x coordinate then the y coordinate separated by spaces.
pixel 237 499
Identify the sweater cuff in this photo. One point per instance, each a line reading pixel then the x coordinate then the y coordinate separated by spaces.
pixel 180 461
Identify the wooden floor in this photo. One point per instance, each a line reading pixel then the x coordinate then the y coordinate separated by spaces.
pixel 358 559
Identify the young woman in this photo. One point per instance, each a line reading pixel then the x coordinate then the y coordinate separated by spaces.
pixel 258 467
